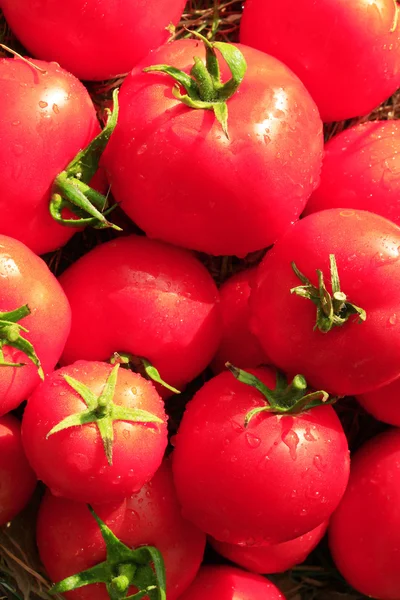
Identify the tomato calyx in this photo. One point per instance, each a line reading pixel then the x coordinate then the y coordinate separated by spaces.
pixel 285 399
pixel 333 310
pixel 10 335
pixel 102 411
pixel 204 88
pixel 71 189
pixel 140 365
pixel 124 567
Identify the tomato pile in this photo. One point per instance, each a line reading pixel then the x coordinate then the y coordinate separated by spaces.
pixel 160 412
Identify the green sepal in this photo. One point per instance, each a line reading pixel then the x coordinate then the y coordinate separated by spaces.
pixel 141 365
pixel 10 335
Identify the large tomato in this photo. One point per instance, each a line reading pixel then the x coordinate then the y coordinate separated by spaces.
pixel 347 54
pixel 336 351
pixel 35 320
pixel 182 180
pixel 94 39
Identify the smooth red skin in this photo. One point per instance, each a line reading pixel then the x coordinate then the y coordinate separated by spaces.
pixel 361 169
pixel 72 462
pixel 69 541
pixel 47 118
pixel 383 403
pixel 238 344
pixel 344 52
pixel 270 483
pixel 181 180
pixel 26 279
pixel 364 531
pixel 94 39
pixel 229 583
pixel 275 558
pixel 16 476
pixel 147 298
pixel 356 357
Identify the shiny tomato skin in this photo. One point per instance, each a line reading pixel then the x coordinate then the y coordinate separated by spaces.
pixel 364 531
pixel 17 478
pixel 228 583
pixel 383 403
pixel 69 540
pixel 345 53
pixel 147 298
pixel 47 118
pixel 72 462
pixel 275 558
pixel 269 483
pixel 181 180
pixel 93 39
pixel 238 345
pixel 26 279
pixel 361 169
pixel 356 357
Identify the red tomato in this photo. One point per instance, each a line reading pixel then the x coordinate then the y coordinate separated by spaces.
pixel 364 531
pixel 271 482
pixel 361 169
pixel 26 280
pixel 355 357
pixel 69 540
pixel 17 478
pixel 94 39
pixel 146 298
pixel 238 344
pixel 47 118
pixel 181 180
pixel 73 462
pixel 383 403
pixel 347 54
pixel 229 583
pixel 275 558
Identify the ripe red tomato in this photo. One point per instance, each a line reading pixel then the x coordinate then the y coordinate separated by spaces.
pixel 145 298
pixel 347 54
pixel 364 531
pixel 75 462
pixel 274 558
pixel 47 118
pixel 238 344
pixel 17 478
pixel 94 39
pixel 179 177
pixel 229 583
pixel 26 280
pixel 353 357
pixel 361 169
pixel 383 403
pixel 270 482
pixel 69 540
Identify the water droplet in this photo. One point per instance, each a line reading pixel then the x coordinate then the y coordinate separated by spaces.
pixel 56 110
pixel 291 440
pixel 238 427
pixel 319 464
pixel 126 433
pixel 15 123
pixel 252 440
pixel 148 494
pixel 303 512
pixel 392 320
pixel 43 104
pixel 267 139
pixel 308 436
pixel 135 515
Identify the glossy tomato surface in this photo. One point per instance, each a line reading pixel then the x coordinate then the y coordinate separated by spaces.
pixel 94 39
pixel 383 403
pixel 268 483
pixel 353 358
pixel 347 54
pixel 181 180
pixel 47 118
pixel 364 531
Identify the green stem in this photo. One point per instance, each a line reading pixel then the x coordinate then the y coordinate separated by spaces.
pixel 141 365
pixel 10 335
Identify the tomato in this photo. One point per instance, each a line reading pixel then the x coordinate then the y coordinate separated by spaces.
pixel 270 482
pixel 238 344
pixel 347 54
pixel 274 558
pixel 354 356
pixel 364 531
pixel 145 298
pixel 47 118
pixel 17 478
pixel 94 39
pixel 229 583
pixel 69 540
pixel 179 177
pixel 32 298
pixel 82 461
pixel 383 403
pixel 361 170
